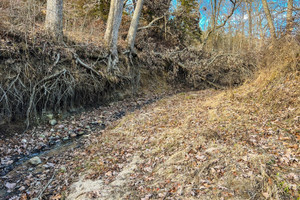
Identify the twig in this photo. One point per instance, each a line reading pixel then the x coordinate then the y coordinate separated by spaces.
pixel 17 77
pixel 41 193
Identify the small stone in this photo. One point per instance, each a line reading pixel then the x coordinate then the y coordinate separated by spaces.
pixel 52 130
pixel 66 138
pixel 24 141
pixel 63 168
pixel 95 123
pixel 35 161
pixel 52 122
pixel 81 133
pixel 21 188
pixel 50 116
pixel 87 127
pixel 73 135
pixel 10 186
pixel 51 138
pixel 61 126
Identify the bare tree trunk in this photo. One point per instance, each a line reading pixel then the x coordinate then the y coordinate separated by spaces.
pixel 109 24
pixel 243 26
pixel 249 10
pixel 112 32
pixel 134 25
pixel 213 4
pixel 54 19
pixel 134 4
pixel 289 18
pixel 269 19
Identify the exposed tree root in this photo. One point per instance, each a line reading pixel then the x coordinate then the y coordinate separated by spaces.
pixel 38 86
pixel 133 70
pixel 112 63
pixel 87 66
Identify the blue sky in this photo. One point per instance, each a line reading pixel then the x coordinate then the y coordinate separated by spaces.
pixel 277 6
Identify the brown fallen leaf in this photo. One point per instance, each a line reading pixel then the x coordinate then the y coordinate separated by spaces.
pixel 266 195
pixel 56 197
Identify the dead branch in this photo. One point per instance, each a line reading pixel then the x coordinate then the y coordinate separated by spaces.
pixel 151 23
pixel 41 193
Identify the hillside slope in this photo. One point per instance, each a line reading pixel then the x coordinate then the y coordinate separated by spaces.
pixel 233 144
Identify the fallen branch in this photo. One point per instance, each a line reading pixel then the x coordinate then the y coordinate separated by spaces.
pixel 43 190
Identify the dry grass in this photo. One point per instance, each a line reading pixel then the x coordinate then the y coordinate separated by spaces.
pixel 234 144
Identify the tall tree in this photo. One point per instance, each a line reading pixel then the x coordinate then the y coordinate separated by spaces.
pixel 134 25
pixel 289 17
pixel 216 26
pixel 269 19
pixel 249 11
pixel 54 18
pixel 112 32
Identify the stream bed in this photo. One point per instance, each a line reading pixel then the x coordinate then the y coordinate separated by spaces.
pixel 19 178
